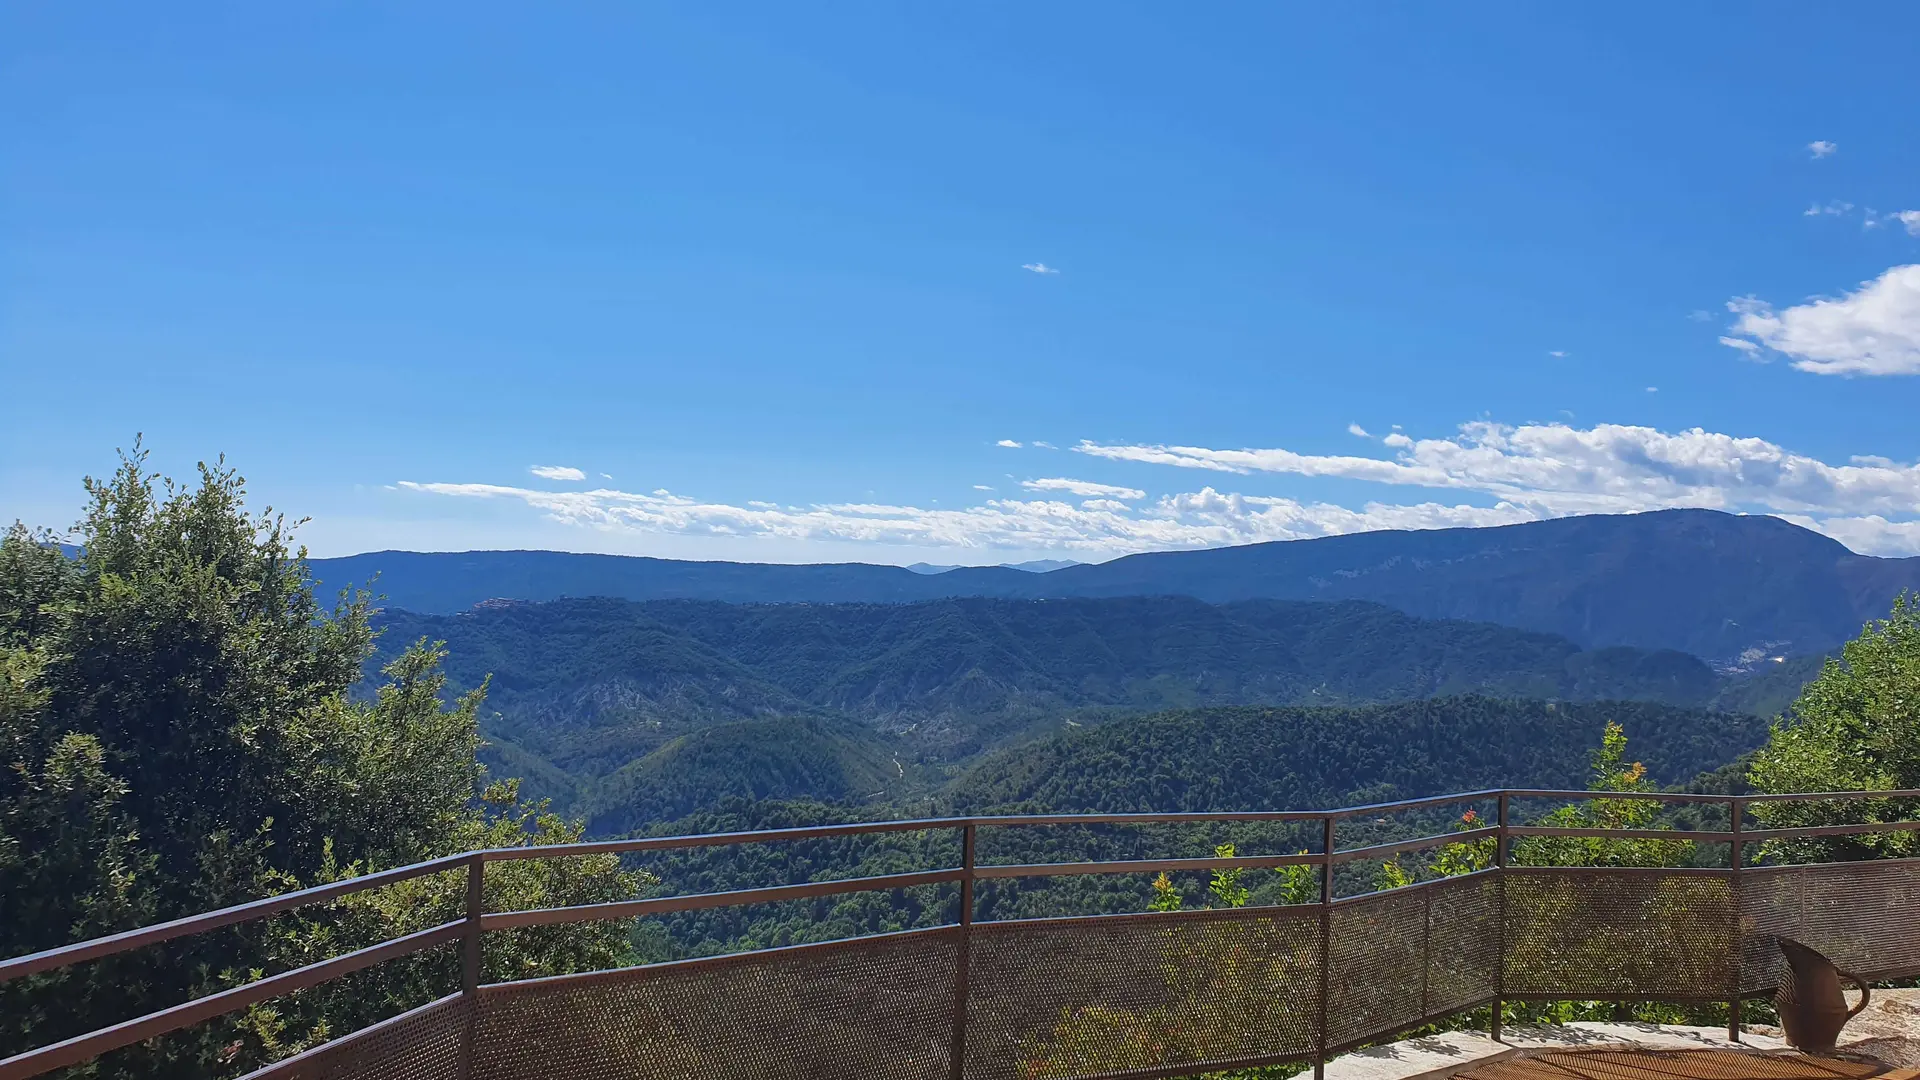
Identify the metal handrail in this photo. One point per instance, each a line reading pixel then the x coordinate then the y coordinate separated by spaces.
pixel 471 929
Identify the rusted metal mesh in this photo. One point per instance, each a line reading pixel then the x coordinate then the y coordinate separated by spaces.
pixel 1088 997
pixel 424 1044
pixel 1618 933
pixel 1864 916
pixel 1646 1064
pixel 1404 956
pixel 878 1007
pixel 1098 996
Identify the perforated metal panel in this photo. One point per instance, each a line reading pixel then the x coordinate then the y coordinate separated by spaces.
pixel 424 1044
pixel 1619 933
pixel 1463 966
pixel 1094 996
pixel 1864 916
pixel 1379 956
pixel 879 1008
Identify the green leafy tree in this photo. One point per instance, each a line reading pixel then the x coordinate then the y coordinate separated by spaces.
pixel 177 734
pixel 1225 886
pixel 1166 895
pixel 1611 772
pixel 1855 728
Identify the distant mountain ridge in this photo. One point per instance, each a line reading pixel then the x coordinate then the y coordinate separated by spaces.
pixel 1711 584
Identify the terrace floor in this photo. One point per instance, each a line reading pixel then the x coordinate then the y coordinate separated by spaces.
pixel 1883 1043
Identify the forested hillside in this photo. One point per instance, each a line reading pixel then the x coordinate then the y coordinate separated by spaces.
pixel 1263 758
pixel 634 711
pixel 1711 584
pixel 1236 758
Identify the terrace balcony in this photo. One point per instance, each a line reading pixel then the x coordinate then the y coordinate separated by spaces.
pixel 1140 995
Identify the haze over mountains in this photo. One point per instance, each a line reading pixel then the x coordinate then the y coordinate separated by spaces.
pixel 1710 584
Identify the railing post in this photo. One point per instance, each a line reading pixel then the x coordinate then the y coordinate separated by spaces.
pixel 470 936
pixel 1326 947
pixel 1736 860
pixel 962 955
pixel 1500 894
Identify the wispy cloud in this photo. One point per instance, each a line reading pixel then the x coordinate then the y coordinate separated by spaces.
pixel 1498 474
pixel 1356 429
pixel 1042 444
pixel 1008 443
pixel 557 472
pixel 1557 354
pixel 983 487
pixel 1820 148
pixel 1653 389
pixel 1874 330
pixel 1204 518
pixel 1083 487
pixel 1910 219
pixel 1835 208
pixel 1558 469
pixel 1039 268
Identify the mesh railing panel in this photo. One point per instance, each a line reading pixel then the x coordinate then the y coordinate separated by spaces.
pixel 1379 954
pixel 1463 960
pixel 1090 997
pixel 1864 916
pixel 424 1044
pixel 874 1007
pixel 1578 933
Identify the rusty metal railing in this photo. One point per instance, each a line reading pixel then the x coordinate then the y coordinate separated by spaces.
pixel 1750 897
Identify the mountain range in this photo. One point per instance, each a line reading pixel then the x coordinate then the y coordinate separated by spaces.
pixel 1734 589
pixel 640 711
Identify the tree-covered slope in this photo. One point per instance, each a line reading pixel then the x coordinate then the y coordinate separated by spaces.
pixel 1305 758
pixel 592 685
pixel 773 758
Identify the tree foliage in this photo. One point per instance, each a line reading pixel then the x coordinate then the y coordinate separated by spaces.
pixel 177 735
pixel 1854 728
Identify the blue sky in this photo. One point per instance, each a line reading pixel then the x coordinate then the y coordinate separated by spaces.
pixel 764 276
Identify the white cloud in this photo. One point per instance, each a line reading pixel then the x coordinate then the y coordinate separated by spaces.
pixel 557 472
pixel 1653 389
pixel 1557 354
pixel 1558 469
pixel 1009 443
pixel 1874 330
pixel 983 487
pixel 1868 535
pixel 1204 518
pixel 1083 487
pixel 606 476
pixel 1038 268
pixel 1498 474
pixel 1042 444
pixel 1910 219
pixel 1356 429
pixel 1836 208
pixel 1752 350
pixel 1821 148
